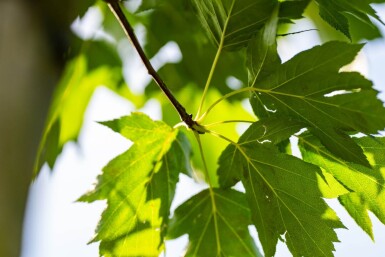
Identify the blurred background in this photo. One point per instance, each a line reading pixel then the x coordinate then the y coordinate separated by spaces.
pixel 34 41
pixel 37 38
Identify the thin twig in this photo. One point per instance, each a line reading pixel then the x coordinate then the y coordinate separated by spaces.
pixel 117 11
pixel 296 32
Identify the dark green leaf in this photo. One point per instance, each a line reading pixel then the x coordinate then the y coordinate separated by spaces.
pixel 269 131
pixel 139 186
pixel 308 87
pixel 293 9
pixel 217 224
pixel 335 13
pixel 262 59
pixel 275 184
pixel 230 24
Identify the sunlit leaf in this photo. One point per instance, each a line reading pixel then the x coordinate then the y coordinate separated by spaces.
pixel 211 145
pixel 367 184
pixel 139 186
pixel 221 42
pixel 216 222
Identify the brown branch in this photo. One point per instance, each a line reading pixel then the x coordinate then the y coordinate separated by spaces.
pixel 184 116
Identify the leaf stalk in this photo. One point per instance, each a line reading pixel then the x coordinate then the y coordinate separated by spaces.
pixel 215 62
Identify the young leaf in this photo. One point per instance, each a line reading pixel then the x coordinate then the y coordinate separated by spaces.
pixel 306 88
pixel 367 184
pixel 139 186
pixel 217 224
pixel 275 184
pixel 334 13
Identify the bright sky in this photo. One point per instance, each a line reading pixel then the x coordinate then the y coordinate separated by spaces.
pixel 57 226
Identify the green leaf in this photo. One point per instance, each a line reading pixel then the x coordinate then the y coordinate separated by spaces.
pixel 217 224
pixel 335 13
pixel 231 23
pixel 308 87
pixel 262 54
pixel 360 30
pixel 139 186
pixel 293 9
pixel 330 187
pixel 168 22
pixel 98 65
pixel 356 207
pixel 367 184
pixel 263 58
pixel 275 184
pixel 270 131
pixel 174 21
pixel 147 5
pixel 213 147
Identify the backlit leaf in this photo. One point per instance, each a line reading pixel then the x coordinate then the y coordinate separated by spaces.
pixel 139 186
pixel 368 185
pixel 212 146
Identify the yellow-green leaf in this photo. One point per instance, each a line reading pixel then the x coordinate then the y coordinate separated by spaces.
pixel 139 186
pixel 366 183
pixel 98 65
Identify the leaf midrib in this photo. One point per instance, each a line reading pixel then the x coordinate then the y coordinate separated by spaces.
pixel 279 198
pixel 310 69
